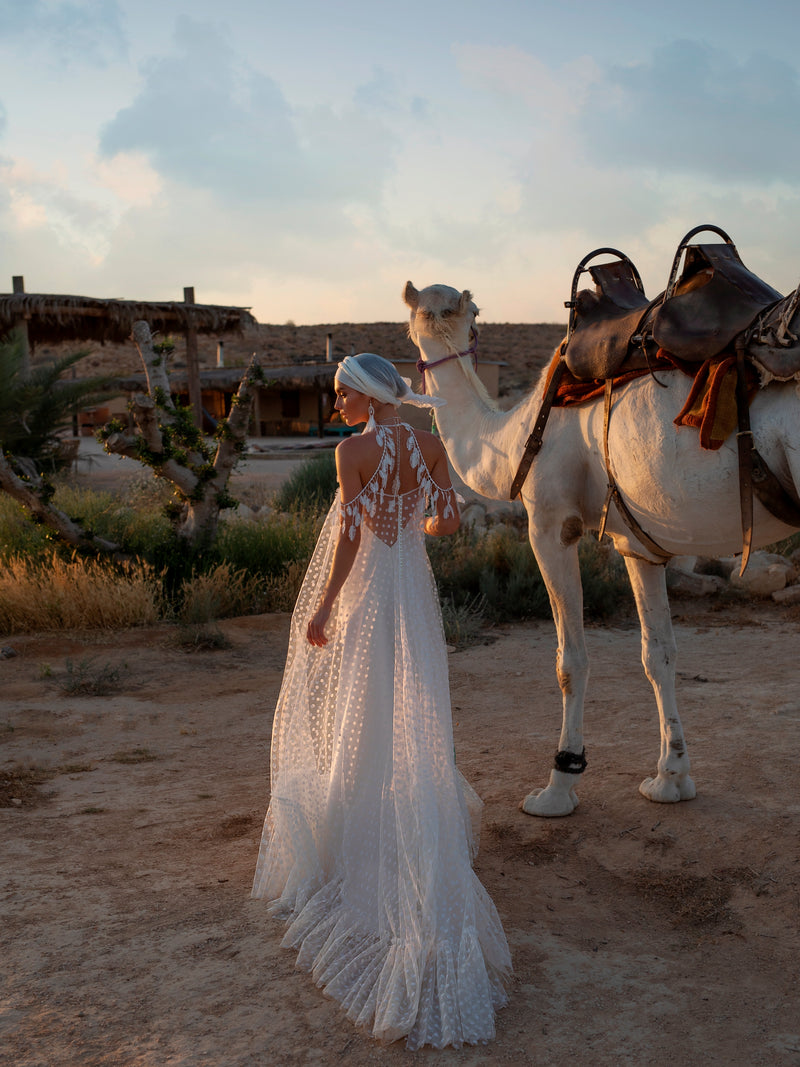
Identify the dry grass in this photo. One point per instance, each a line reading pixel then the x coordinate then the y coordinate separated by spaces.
pixel 77 594
pixel 280 592
pixel 218 593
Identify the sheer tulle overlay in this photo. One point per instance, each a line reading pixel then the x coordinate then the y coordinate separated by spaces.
pixel 368 840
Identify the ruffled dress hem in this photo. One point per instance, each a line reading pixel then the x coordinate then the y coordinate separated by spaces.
pixel 396 988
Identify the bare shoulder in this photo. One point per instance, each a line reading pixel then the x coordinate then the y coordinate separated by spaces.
pixel 432 448
pixel 354 449
pixel 358 455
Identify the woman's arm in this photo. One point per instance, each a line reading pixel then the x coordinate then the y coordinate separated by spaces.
pixel 441 524
pixel 346 547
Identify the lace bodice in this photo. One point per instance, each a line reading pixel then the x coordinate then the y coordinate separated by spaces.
pixel 381 505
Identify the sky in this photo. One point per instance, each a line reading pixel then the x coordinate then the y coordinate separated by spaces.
pixel 306 158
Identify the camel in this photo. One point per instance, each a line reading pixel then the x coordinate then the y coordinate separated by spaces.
pixel 684 498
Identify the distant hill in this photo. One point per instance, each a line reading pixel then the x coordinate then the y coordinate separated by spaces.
pixel 524 348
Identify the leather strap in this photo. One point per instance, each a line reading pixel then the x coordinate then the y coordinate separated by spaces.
pixel 744 443
pixel 614 494
pixel 534 442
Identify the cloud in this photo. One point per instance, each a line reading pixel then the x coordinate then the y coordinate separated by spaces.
pixel 39 202
pixel 89 32
pixel 695 109
pixel 208 121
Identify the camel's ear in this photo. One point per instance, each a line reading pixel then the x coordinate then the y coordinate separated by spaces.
pixel 411 296
pixel 465 303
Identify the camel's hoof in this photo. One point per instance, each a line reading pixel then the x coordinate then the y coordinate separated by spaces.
pixel 668 790
pixel 549 803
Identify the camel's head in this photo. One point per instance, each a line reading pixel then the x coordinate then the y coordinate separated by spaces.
pixel 441 312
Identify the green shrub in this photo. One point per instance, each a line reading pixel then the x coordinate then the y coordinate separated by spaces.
pixel 19 536
pixel 136 520
pixel 499 568
pixel 266 548
pixel 606 588
pixel 311 487
pixel 463 624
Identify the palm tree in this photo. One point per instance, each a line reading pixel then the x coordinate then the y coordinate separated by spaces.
pixel 34 407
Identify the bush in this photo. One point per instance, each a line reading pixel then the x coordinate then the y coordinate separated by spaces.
pixel 606 588
pixel 218 593
pixel 135 521
pixel 311 487
pixel 266 548
pixel 19 536
pixel 499 570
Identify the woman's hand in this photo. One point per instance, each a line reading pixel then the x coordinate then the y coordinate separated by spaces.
pixel 438 526
pixel 316 626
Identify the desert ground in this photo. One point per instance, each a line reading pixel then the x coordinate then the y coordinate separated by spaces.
pixel 130 820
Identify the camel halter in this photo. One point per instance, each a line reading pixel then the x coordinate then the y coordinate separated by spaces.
pixel 423 365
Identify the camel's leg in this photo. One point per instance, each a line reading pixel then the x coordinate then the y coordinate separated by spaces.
pixel 672 782
pixel 561 574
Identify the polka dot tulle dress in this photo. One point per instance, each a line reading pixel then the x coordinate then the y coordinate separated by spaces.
pixel 369 837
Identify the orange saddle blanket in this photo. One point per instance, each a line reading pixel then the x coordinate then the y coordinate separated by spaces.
pixel 710 406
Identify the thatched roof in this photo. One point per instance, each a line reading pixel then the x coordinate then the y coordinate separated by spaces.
pixel 297 376
pixel 54 318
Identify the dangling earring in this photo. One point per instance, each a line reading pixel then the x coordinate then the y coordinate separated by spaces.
pixel 371 420
pixel 371 411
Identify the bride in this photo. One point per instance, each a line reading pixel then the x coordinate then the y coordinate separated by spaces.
pixel 367 846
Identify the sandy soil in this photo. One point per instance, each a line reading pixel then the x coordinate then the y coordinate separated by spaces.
pixel 640 933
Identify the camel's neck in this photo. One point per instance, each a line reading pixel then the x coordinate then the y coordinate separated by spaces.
pixel 478 437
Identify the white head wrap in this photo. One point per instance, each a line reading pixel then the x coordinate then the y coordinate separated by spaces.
pixel 376 377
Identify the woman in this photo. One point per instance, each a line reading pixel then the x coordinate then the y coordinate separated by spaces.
pixel 367 844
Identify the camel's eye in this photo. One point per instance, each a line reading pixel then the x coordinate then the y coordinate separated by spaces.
pixel 446 312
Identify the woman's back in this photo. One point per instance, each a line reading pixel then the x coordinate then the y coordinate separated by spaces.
pixel 395 467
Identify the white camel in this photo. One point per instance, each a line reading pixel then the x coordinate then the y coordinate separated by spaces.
pixel 685 498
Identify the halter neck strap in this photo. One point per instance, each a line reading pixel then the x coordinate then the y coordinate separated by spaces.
pixel 423 365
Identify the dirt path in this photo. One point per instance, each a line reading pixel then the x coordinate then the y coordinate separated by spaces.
pixel 640 933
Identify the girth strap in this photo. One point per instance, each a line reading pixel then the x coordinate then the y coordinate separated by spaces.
pixel 534 442
pixel 615 495
pixel 744 443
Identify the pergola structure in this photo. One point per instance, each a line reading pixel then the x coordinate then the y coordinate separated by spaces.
pixel 39 318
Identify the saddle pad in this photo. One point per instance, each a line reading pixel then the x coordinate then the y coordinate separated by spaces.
pixel 709 408
pixel 711 404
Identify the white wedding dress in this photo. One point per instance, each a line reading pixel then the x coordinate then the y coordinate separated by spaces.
pixel 367 844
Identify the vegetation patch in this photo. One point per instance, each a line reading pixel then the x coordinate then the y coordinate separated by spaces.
pixel 20 785
pixel 51 593
pixel 88 678
pixel 134 755
pixel 201 637
pixel 691 900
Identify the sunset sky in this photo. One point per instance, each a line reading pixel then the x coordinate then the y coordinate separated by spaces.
pixel 306 158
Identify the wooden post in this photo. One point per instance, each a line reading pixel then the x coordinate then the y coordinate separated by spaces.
pixel 192 365
pixel 21 328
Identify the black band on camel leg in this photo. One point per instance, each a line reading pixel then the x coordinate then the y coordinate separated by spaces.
pixel 571 762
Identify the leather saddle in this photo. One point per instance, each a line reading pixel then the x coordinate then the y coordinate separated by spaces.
pixel 604 324
pixel 699 314
pixel 715 299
